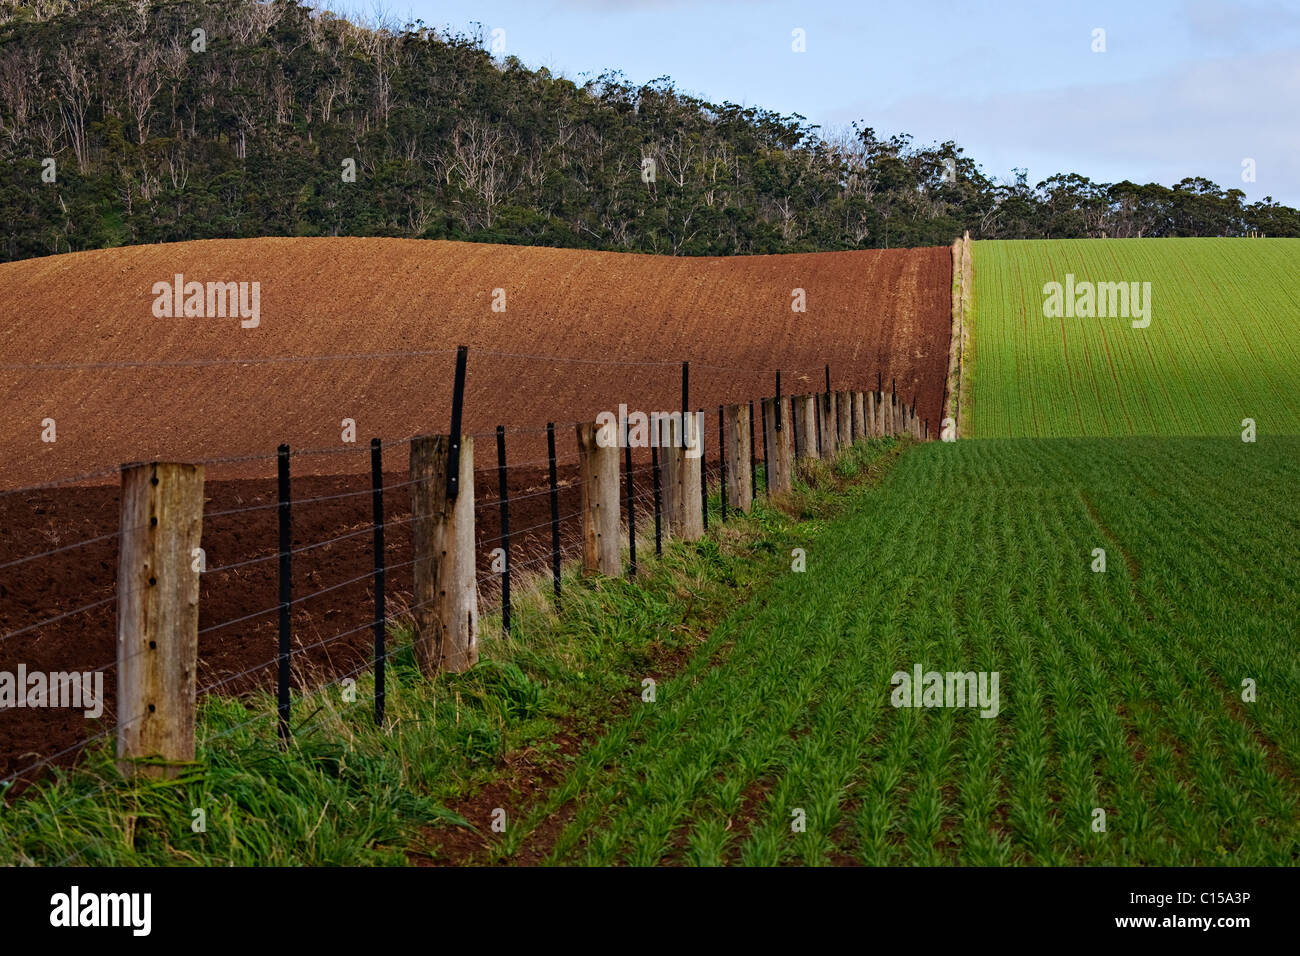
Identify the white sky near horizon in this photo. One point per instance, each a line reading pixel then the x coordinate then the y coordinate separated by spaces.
pixel 1185 87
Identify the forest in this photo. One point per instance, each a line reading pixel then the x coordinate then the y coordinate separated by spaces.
pixel 141 121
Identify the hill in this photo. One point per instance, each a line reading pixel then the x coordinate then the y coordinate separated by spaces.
pixel 367 329
pixel 121 127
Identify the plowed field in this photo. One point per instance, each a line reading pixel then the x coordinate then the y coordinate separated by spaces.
pixel 80 344
pixel 72 323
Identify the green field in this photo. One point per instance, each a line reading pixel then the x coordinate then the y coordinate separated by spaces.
pixel 1223 342
pixel 1120 690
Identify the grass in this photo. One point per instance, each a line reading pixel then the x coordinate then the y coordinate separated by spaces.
pixel 1120 691
pixel 348 793
pixel 1223 344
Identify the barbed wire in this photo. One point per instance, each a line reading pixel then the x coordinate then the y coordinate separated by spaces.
pixel 303 695
pixel 369 528
pixel 59 617
pixel 80 744
pixel 239 620
pixel 545 558
pixel 565 461
pixel 208 362
pixel 59 550
pixel 59 482
pixel 645 495
pixel 386 356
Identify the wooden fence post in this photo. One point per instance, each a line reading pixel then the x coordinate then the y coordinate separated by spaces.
pixel 873 426
pixel 670 461
pixel 442 538
pixel 780 448
pixel 158 616
pixel 805 414
pixel 692 477
pixel 859 416
pixel 598 468
pixel 844 401
pixel 739 456
pixel 830 435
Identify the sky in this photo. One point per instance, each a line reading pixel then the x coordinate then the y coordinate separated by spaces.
pixel 1171 88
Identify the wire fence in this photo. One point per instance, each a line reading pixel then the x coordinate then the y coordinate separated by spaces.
pixel 363 545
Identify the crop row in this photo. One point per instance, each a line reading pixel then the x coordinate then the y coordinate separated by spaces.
pixel 1122 690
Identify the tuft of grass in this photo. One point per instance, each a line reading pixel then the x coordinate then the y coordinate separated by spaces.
pixel 820 485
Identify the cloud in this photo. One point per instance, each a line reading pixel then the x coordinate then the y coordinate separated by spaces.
pixel 1201 119
pixel 1239 27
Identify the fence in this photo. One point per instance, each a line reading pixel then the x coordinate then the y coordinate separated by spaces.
pixel 462 544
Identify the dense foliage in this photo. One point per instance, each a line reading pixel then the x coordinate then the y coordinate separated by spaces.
pixel 156 136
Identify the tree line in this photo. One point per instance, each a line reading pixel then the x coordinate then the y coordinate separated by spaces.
pixel 138 121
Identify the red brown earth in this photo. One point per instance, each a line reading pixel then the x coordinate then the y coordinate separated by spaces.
pixel 867 312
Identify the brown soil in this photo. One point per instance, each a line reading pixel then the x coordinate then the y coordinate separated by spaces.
pixel 868 312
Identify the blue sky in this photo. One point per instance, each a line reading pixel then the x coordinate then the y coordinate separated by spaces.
pixel 1184 87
